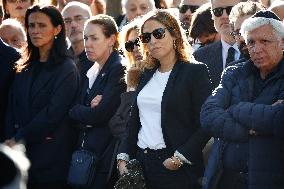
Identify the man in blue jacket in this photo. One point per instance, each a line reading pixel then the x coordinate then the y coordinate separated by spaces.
pixel 8 56
pixel 245 114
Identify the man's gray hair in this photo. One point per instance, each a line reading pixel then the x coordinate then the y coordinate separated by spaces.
pixel 16 24
pixel 125 2
pixel 77 4
pixel 253 23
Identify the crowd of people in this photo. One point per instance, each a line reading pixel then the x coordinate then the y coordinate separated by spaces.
pixel 192 89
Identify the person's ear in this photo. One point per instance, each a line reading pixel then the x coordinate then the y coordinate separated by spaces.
pixel 282 44
pixel 112 40
pixel 57 30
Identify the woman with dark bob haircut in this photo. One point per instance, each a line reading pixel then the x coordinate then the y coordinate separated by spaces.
pixel 45 86
pixel 164 131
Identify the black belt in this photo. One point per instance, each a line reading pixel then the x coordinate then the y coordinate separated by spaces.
pixel 155 152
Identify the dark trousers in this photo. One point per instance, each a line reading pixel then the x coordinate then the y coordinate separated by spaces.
pixel 159 177
pixel 233 180
pixel 48 186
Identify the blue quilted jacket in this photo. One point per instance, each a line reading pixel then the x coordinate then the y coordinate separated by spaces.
pixel 233 109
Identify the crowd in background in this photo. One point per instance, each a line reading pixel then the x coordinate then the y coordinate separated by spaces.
pixel 192 89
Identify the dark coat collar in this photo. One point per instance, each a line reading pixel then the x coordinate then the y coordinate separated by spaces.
pixel 249 68
pixel 148 74
pixel 113 58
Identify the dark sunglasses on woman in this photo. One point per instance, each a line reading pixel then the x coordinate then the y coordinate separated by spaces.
pixel 129 45
pixel 219 11
pixel 184 8
pixel 158 33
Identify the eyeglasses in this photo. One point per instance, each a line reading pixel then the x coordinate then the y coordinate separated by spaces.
pixel 77 19
pixel 129 45
pixel 20 1
pixel 158 33
pixel 219 10
pixel 184 8
pixel 236 33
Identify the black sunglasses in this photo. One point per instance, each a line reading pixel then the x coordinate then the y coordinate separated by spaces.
pixel 129 45
pixel 219 10
pixel 158 33
pixel 184 8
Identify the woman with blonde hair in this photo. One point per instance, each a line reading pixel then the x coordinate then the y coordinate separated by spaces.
pixel 130 45
pixel 164 131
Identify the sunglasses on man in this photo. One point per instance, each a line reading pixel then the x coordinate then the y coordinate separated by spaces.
pixel 218 12
pixel 184 8
pixel 158 33
pixel 129 45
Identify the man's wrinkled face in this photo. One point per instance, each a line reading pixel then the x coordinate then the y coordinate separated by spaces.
pixel 74 18
pixel 264 48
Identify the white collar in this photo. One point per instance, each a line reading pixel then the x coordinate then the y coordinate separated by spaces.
pixel 226 46
pixel 93 70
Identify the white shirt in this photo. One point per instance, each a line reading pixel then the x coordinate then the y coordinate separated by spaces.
pixel 149 104
pixel 225 48
pixel 92 74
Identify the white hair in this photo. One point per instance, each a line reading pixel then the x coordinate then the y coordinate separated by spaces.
pixel 125 2
pixel 253 23
pixel 77 4
pixel 16 24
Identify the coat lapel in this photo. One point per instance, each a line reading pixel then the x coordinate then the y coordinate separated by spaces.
pixel 96 86
pixel 145 78
pixel 166 96
pixel 101 76
pixel 218 65
pixel 24 84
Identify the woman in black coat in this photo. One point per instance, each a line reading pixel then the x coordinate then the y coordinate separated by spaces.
pixel 46 84
pixel 164 131
pixel 100 96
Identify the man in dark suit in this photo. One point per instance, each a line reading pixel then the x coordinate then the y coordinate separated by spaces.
pixel 238 15
pixel 8 56
pixel 217 55
pixel 75 14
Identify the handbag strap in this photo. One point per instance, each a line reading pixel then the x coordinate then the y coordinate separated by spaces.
pixel 82 140
pixel 82 143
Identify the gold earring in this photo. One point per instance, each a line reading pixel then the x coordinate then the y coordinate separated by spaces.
pixel 174 44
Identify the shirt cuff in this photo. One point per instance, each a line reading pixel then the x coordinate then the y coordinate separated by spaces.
pixel 122 156
pixel 182 158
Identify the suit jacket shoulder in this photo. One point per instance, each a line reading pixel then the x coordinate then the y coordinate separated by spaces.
pixel 211 55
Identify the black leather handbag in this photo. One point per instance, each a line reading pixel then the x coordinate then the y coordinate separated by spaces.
pixel 82 168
